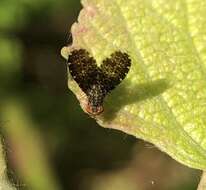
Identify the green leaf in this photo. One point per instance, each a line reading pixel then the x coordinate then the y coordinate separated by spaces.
pixel 163 98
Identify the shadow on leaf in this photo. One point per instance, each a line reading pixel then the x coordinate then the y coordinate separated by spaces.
pixel 125 95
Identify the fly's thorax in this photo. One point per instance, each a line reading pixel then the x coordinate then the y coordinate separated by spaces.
pixel 95 96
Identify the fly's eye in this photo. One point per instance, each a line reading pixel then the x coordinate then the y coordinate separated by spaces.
pixel 96 82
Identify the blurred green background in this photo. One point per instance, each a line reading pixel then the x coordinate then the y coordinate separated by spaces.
pixel 49 143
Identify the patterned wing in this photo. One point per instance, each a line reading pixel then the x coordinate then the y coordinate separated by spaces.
pixel 83 68
pixel 115 69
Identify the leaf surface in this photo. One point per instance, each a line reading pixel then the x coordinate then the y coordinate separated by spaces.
pixel 163 98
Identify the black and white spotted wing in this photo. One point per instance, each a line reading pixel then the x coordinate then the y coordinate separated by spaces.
pixel 115 69
pixel 82 68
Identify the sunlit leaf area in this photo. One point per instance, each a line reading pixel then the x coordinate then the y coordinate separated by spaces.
pixel 48 142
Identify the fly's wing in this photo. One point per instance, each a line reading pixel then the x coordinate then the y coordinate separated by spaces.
pixel 115 69
pixel 82 68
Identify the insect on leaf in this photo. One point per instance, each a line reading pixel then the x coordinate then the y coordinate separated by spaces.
pixel 96 82
pixel 163 97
